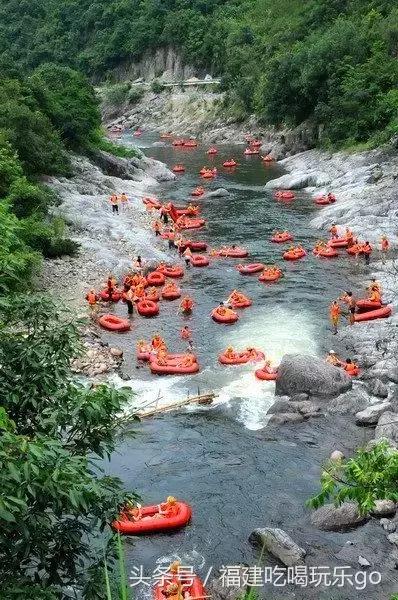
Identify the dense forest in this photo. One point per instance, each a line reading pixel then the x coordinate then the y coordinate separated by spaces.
pixel 332 61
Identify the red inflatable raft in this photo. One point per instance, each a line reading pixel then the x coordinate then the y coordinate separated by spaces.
pixel 152 523
pixel 114 323
pixel 178 142
pixel 199 191
pixel 241 358
pixel 338 243
pixel 364 304
pixel 284 195
pixel 265 375
pixel 168 271
pixel 212 151
pixel 191 584
pixel 143 351
pixel 152 295
pixel 279 238
pixel 172 294
pixel 156 278
pixel 192 223
pixel 370 315
pixel 243 302
pixel 178 169
pixel 186 211
pixel 268 276
pixel 294 254
pixel 194 246
pixel 250 269
pixel 147 308
pixel 325 252
pixel 231 252
pixel 231 317
pixel 199 260
pixel 174 366
pixel 357 249
pixel 229 163
pixel 250 151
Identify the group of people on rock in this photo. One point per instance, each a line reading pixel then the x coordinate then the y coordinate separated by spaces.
pixel 117 201
pixel 348 365
pixel 348 298
pixel 363 249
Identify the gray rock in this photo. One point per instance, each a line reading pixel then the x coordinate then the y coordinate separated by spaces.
pixel 371 414
pixel 337 456
pixel 384 508
pixel 299 397
pixel 393 538
pixel 388 525
pixel 349 403
pixel 378 388
pixel 218 590
pixel 363 562
pixel 387 427
pixel 219 193
pixel 306 407
pixel 117 352
pixel 340 518
pixel 307 374
pixel 284 418
pixel 278 543
pixel 281 406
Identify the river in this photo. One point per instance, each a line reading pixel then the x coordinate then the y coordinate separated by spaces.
pixel 219 458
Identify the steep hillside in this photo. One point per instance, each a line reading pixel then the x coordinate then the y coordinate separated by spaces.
pixel 333 61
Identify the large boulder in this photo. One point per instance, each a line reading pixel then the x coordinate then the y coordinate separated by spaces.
pixel 378 388
pixel 278 543
pixel 387 428
pixel 349 403
pixel 371 414
pixel 300 373
pixel 337 518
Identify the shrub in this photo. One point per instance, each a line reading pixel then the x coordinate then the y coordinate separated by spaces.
pixel 117 94
pixel 157 87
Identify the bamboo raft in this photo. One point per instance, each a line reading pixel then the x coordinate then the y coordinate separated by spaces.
pixel 201 399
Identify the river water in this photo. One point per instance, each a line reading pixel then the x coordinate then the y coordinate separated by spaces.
pixel 219 458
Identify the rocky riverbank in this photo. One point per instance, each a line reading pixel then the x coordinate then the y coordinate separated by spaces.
pixel 108 243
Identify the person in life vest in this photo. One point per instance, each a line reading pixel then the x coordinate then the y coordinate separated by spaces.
pixel 334 313
pixel 374 295
pixel 349 236
pixel 114 203
pixel 139 292
pixel 350 367
pixel 366 251
pixel 92 300
pixel 161 356
pixel 123 201
pixel 157 342
pixel 168 508
pixel 186 333
pixel 375 285
pixel 333 359
pixel 186 304
pixel 188 360
pixel 187 254
pixel 157 227
pixel 110 285
pixel 172 237
pixel 268 368
pixel 229 352
pixel 384 248
pixel 133 513
pixel 331 197
pixel 349 299
pixel 334 231
pixel 164 215
pixel 173 592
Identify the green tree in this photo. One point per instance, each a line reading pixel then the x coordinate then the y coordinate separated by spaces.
pixel 368 476
pixel 55 505
pixel 69 102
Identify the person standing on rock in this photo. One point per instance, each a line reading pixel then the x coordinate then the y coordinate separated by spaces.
pixel 91 298
pixel 384 248
pixel 123 201
pixel 335 314
pixel 349 299
pixel 130 301
pixel 367 251
pixel 114 203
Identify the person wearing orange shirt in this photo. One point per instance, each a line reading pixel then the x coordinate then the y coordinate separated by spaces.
pixel 384 247
pixel 92 300
pixel 333 231
pixel 335 314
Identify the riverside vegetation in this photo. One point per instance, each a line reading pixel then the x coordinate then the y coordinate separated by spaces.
pixel 330 61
